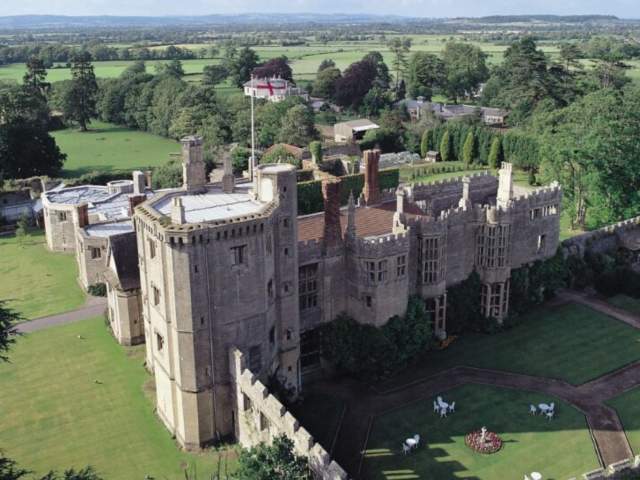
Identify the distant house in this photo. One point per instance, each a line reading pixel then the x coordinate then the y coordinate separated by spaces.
pixel 320 104
pixel 417 108
pixel 295 152
pixel 273 89
pixel 352 130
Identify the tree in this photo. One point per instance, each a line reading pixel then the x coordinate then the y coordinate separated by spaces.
pixel 469 149
pixel 22 228
pixel 315 148
pixel 400 49
pixel 168 175
pixel 569 54
pixel 354 84
pixel 8 333
pixel 280 154
pixel 272 462
pixel 382 78
pixel 446 149
pixel 240 64
pixel 298 127
pixel 465 68
pixel 276 67
pixel 374 102
pixel 35 79
pixel 214 74
pixel 80 97
pixel 325 84
pixel 425 141
pixel 496 154
pixel 9 470
pixel 27 150
pixel 326 63
pixel 426 73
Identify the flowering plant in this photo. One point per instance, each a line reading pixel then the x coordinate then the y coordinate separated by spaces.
pixel 491 443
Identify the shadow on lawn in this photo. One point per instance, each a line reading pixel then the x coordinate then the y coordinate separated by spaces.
pixel 530 443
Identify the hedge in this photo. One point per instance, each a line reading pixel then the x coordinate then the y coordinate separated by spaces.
pixel 310 193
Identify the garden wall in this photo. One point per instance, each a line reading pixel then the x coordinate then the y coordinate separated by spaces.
pixel 261 418
pixel 606 239
pixel 624 469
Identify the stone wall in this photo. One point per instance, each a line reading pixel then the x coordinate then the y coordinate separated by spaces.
pixel 623 469
pixel 260 417
pixel 603 240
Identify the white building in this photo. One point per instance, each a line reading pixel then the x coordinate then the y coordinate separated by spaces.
pixel 273 89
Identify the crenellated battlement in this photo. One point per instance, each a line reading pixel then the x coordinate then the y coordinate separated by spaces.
pixel 542 194
pixel 382 246
pixel 262 417
pixel 453 180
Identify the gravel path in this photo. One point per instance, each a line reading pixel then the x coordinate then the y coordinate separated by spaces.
pixel 93 307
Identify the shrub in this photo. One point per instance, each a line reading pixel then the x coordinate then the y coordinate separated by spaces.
pixel 310 197
pixel 446 152
pixel 98 290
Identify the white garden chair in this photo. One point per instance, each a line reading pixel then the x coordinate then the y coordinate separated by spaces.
pixel 436 407
pixel 550 414
pixel 405 448
pixel 443 412
pixel 452 407
pixel 532 409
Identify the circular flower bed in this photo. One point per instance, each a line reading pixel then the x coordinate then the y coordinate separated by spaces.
pixel 491 444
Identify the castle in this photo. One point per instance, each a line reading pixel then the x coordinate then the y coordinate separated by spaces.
pixel 226 283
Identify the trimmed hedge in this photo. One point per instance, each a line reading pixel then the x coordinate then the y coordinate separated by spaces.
pixel 310 193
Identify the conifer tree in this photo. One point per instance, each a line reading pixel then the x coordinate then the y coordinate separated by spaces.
pixel 425 143
pixel 446 151
pixel 496 154
pixel 80 97
pixel 469 149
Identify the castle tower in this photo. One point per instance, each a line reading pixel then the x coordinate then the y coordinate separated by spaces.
pixel 371 189
pixel 505 185
pixel 194 176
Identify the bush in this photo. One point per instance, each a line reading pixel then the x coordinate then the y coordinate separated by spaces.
pixel 310 197
pixel 367 352
pixel 168 175
pixel 98 290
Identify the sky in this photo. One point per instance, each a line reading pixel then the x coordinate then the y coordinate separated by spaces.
pixel 417 8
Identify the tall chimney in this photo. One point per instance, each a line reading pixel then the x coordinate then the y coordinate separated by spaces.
pixel 177 211
pixel 465 201
pixel 228 180
pixel 149 176
pixel 82 211
pixel 332 228
pixel 194 176
pixel 351 216
pixel 371 186
pixel 139 182
pixel 505 185
pixel 134 201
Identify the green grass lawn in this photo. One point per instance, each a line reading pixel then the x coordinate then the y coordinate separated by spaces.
pixel 559 449
pixel 110 147
pixel 549 343
pixel 628 408
pixel 54 414
pixel 625 302
pixel 36 282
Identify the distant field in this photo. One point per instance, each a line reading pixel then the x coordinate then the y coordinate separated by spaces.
pixel 305 59
pixel 110 147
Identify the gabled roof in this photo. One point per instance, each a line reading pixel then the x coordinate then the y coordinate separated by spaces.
pixel 297 152
pixel 124 254
pixel 359 125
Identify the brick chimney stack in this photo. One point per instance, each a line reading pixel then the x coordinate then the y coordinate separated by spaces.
pixel 371 190
pixel 148 174
pixel 82 211
pixel 332 228
pixel 134 201
pixel 194 176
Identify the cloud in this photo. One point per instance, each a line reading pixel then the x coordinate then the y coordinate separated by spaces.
pixel 422 8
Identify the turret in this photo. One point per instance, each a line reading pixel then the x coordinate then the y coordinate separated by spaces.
pixel 505 185
pixel 228 180
pixel 465 201
pixel 193 169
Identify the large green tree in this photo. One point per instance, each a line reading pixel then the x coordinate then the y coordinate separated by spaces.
pixel 325 84
pixel 240 64
pixel 80 97
pixel 298 126
pixel 272 462
pixel 8 320
pixel 465 69
pixel 426 73
pixel 400 48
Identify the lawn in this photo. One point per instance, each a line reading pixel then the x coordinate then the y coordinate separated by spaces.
pixel 628 407
pixel 71 396
pixel 559 449
pixel 36 282
pixel 321 415
pixel 550 342
pixel 109 147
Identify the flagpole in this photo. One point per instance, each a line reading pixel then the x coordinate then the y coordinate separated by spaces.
pixel 253 133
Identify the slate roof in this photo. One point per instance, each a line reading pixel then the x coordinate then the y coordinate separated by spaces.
pixel 124 249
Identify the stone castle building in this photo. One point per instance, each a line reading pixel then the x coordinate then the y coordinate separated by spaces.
pixel 226 283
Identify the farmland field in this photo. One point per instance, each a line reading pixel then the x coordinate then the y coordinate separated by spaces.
pixel 305 59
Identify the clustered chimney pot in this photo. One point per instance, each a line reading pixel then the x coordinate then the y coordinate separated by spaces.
pixel 371 190
pixel 332 228
pixel 82 211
